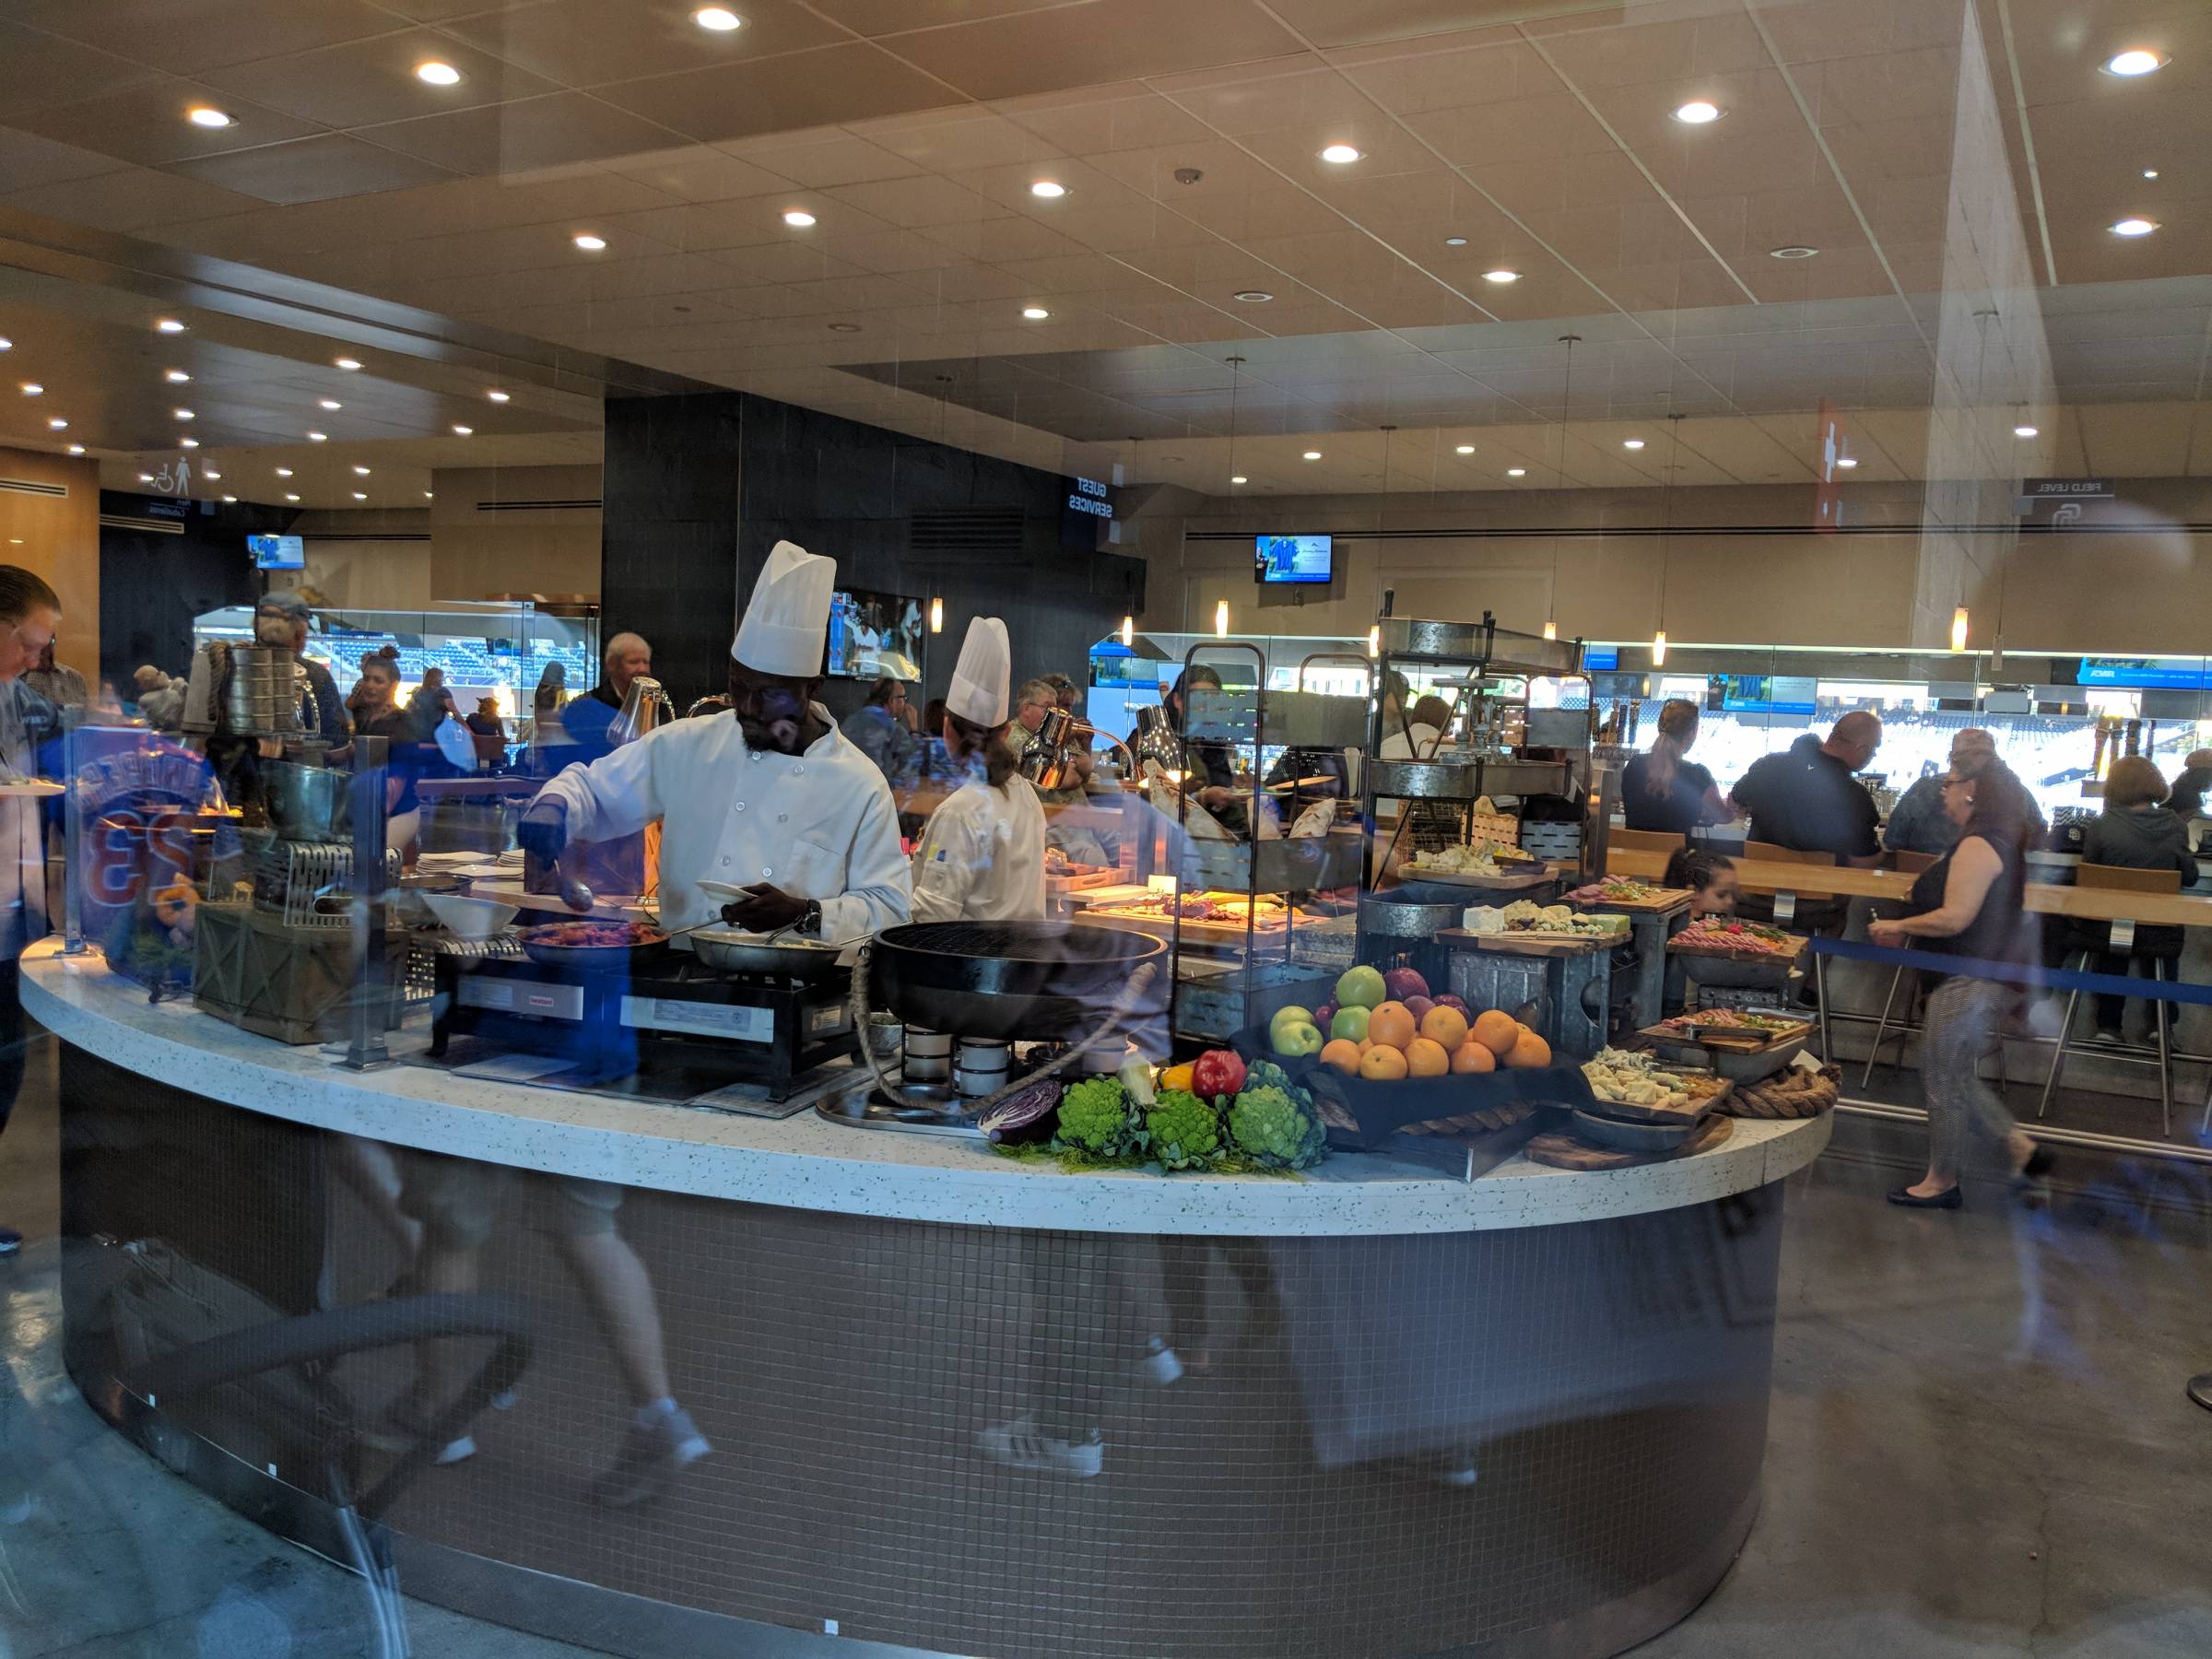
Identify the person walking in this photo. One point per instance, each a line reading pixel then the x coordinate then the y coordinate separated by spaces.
pixel 1968 905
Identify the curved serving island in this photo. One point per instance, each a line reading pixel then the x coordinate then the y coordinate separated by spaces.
pixel 1521 1415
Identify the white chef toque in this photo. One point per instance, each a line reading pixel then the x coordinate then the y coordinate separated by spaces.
pixel 978 693
pixel 787 619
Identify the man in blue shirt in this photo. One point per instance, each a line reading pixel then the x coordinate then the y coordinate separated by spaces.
pixel 586 719
pixel 882 729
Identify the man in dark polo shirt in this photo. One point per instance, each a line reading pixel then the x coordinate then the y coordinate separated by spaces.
pixel 1807 798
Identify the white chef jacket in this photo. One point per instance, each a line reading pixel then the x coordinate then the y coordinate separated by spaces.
pixel 819 824
pixel 982 856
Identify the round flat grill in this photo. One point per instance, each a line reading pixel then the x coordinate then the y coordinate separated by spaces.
pixel 1042 980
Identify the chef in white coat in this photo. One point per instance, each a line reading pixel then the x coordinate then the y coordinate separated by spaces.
pixel 770 798
pixel 982 856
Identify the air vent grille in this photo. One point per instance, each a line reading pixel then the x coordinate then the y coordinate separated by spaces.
pixel 34 487
pixel 577 506
pixel 111 521
pixel 966 530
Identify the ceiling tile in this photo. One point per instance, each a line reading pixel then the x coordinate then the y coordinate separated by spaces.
pixel 894 16
pixel 957 139
pixel 916 203
pixel 365 82
pixel 311 169
pixel 130 199
pixel 539 131
pixel 189 37
pixel 694 173
pixel 27 160
pixel 834 84
pixel 819 162
pixel 586 42
pixel 145 123
pixel 1095 40
pixel 1362 22
pixel 37 70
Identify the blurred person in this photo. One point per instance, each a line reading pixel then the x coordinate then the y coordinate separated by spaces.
pixel 2136 830
pixel 160 697
pixel 1808 798
pixel 432 704
pixel 63 687
pixel 2190 789
pixel 381 715
pixel 489 733
pixel 982 856
pixel 1662 790
pixel 544 737
pixel 586 720
pixel 1209 757
pixel 1035 700
pixel 357 698
pixel 1919 824
pixel 883 729
pixel 29 613
pixel 1968 905
pixel 1709 878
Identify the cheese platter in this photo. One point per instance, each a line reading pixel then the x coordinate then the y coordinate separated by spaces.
pixel 1636 897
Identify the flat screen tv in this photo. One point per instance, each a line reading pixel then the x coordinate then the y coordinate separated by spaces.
pixel 278 552
pixel 875 634
pixel 1293 558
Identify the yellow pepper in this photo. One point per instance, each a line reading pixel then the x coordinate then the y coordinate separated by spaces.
pixel 1178 1076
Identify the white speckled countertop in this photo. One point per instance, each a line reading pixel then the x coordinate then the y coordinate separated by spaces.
pixel 804 1163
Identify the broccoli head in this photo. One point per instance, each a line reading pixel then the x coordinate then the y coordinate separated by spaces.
pixel 1094 1117
pixel 1274 1129
pixel 1184 1131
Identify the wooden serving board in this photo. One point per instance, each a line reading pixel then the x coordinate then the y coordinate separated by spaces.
pixel 1665 903
pixel 1735 1043
pixel 1675 947
pixel 1660 1115
pixel 1534 876
pixel 1564 1152
pixel 1194 931
pixel 1542 943
pixel 1115 893
pixel 1080 880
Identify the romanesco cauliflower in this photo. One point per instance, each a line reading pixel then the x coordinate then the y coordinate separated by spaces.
pixel 1271 1127
pixel 1185 1134
pixel 1094 1117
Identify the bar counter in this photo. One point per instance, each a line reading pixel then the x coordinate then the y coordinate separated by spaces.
pixel 1418 1415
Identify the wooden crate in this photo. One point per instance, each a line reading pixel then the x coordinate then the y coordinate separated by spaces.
pixel 292 983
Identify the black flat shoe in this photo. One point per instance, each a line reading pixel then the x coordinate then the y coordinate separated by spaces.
pixel 1950 1198
pixel 2040 1162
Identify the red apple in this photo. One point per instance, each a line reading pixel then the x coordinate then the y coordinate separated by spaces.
pixel 1450 1001
pixel 1418 1008
pixel 1322 1015
pixel 1402 982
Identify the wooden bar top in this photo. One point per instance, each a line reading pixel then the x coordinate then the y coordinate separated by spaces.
pixel 1821 881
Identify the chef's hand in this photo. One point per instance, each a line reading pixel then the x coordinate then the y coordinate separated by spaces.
pixel 544 831
pixel 1888 934
pixel 1216 796
pixel 763 909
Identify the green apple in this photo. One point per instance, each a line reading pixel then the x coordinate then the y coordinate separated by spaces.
pixel 1359 987
pixel 1296 1037
pixel 1291 1014
pixel 1350 1024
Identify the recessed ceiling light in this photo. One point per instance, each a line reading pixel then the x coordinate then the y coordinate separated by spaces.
pixel 2024 431
pixel 318 437
pixel 1516 472
pixel 844 328
pixel 1035 313
pixel 284 472
pixel 184 413
pixel 288 496
pixel 176 377
pixel 207 116
pixel 1465 449
pixel 2150 172
pixel 719 18
pixel 32 389
pixel 2137 62
pixel 1631 443
pixel 1240 479
pixel 427 496
pixel 1252 296
pixel 1313 455
pixel 6 344
pixel 350 364
pixel 146 478
pixel 77 449
pixel 1050 189
pixel 57 424
pixel 1501 275
pixel 437 73
pixel 168 326
pixel 329 402
pixel 1455 241
pixel 464 432
pixel 1696 113
pixel 188 443
pixel 798 218
pixel 360 472
pixel 230 498
pixel 209 473
pixel 1847 461
pixel 2135 227
pixel 360 496
pixel 1795 250
pixel 588 242
pixel 497 396
pixel 1340 154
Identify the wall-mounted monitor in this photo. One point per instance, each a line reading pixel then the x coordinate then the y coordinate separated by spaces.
pixel 872 635
pixel 1294 559
pixel 278 552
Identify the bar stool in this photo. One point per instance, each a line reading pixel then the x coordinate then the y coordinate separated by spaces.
pixel 1911 863
pixel 2119 939
pixel 1785 912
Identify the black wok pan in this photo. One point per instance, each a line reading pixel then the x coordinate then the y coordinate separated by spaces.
pixel 1041 981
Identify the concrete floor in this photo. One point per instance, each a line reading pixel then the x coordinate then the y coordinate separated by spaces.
pixel 1979 1445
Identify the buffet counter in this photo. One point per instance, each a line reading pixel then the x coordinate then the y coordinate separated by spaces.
pixel 1524 1414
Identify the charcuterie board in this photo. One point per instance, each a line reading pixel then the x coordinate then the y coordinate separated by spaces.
pixel 1564 1152
pixel 1528 944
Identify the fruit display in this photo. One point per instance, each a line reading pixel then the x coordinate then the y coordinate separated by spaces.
pixel 1722 935
pixel 1619 1077
pixel 1524 916
pixel 1405 1032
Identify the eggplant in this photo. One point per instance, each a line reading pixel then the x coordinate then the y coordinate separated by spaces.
pixel 1027 1115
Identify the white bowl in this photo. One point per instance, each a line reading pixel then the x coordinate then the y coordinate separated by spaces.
pixel 470 918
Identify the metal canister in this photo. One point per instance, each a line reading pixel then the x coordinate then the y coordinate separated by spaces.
pixel 264 698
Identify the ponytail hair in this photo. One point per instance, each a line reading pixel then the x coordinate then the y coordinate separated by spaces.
pixel 987 741
pixel 1695 868
pixel 1677 731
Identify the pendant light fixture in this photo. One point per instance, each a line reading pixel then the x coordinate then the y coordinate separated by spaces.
pixel 1551 629
pixel 1374 640
pixel 1551 622
pixel 1959 629
pixel 1128 631
pixel 1221 619
pixel 1236 370
pixel 937 616
pixel 1666 533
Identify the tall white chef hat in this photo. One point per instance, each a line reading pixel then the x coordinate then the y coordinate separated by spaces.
pixel 978 693
pixel 787 619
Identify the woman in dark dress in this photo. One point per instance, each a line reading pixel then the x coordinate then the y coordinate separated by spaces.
pixel 1968 905
pixel 1662 791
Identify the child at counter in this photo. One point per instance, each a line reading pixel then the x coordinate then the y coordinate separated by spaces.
pixel 1711 878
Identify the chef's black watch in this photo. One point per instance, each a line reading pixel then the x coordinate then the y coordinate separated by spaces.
pixel 811 919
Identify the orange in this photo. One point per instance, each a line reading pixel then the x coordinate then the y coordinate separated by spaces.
pixel 1427 1058
pixel 1497 1032
pixel 1383 1062
pixel 1471 1057
pixel 1342 1054
pixel 1391 1025
pixel 1531 1051
pixel 1445 1027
